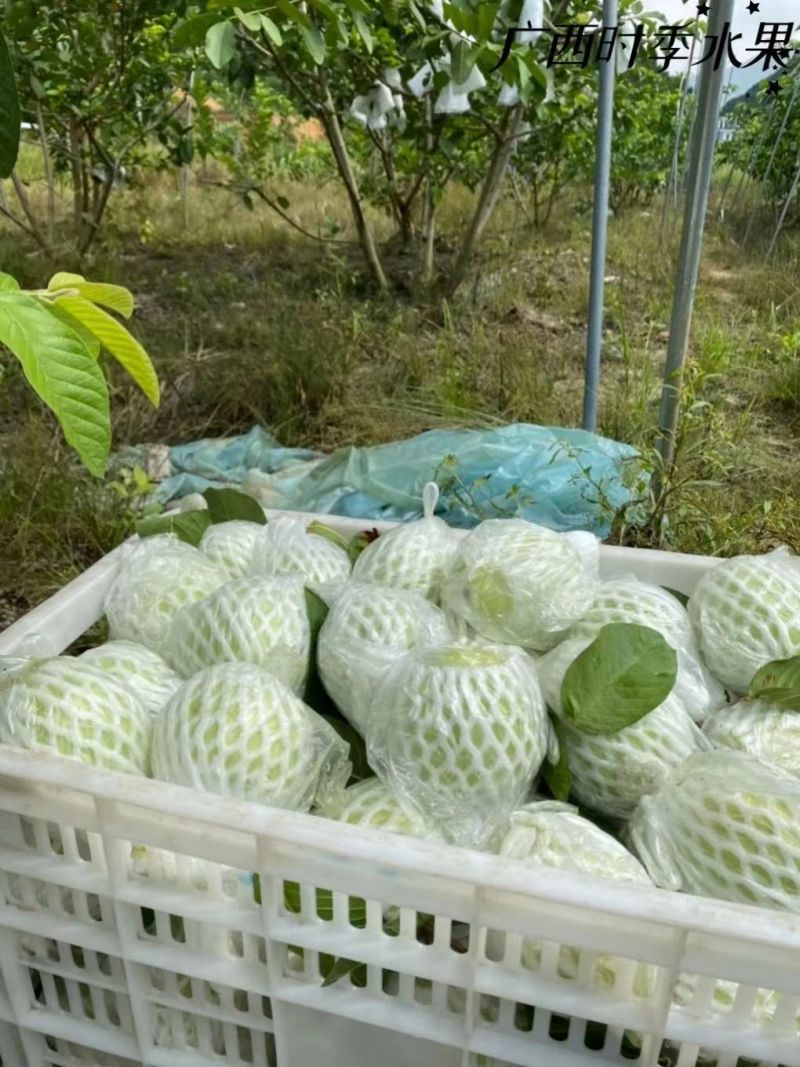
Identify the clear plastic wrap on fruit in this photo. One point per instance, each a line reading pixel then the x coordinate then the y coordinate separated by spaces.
pixel 612 772
pixel 284 546
pixel 633 601
pixel 519 583
pixel 65 707
pixel 746 613
pixel 552 834
pixel 149 676
pixel 724 825
pixel 415 555
pixel 156 578
pixel 372 804
pixel 556 835
pixel 367 628
pixel 459 732
pixel 236 729
pixel 760 729
pixel 248 620
pixel 230 545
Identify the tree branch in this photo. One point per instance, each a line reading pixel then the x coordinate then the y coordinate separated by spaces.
pixel 278 211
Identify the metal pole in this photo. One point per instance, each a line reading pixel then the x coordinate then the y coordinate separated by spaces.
pixel 784 212
pixel 704 138
pixel 765 177
pixel 597 269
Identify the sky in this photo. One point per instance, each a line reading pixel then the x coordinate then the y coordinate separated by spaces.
pixel 743 22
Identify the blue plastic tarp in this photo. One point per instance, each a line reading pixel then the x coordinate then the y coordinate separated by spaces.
pixel 560 478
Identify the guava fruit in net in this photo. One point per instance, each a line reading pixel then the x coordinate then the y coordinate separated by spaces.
pixel 367 628
pixel 236 729
pixel 284 546
pixel 140 669
pixel 746 613
pixel 458 733
pixel 724 825
pixel 415 555
pixel 230 545
pixel 156 578
pixel 249 620
pixel 519 583
pixel 66 707
pixel 768 733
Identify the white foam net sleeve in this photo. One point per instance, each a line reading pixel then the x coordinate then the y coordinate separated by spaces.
pixel 629 600
pixel 366 630
pixel 413 556
pixel 612 772
pixel 156 578
pixel 459 732
pixel 236 729
pixel 516 582
pixel 746 613
pixel 250 620
pixel 149 676
pixel 371 803
pixel 761 730
pixel 230 545
pixel 66 707
pixel 552 834
pixel 284 547
pixel 724 825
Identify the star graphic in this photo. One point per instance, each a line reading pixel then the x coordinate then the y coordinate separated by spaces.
pixel 752 7
pixel 702 8
pixel 774 88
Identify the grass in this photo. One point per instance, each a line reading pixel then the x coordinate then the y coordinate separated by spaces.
pixel 249 322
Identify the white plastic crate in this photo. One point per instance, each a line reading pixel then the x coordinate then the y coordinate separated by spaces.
pixel 112 962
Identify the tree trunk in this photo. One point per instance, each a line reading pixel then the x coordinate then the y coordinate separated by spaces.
pixel 76 167
pixel 489 195
pixel 102 194
pixel 48 173
pixel 27 208
pixel 336 140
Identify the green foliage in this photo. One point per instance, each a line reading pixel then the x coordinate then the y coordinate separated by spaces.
pixel 557 775
pixel 778 683
pixel 99 80
pixel 57 335
pixel 188 526
pixel 626 672
pixel 10 113
pixel 227 504
pixel 223 505
pixel 760 119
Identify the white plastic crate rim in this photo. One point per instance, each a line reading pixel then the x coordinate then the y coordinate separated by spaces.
pixel 147 924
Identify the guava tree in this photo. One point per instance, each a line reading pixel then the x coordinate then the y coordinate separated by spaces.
pixel 767 136
pixel 410 96
pixel 97 80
